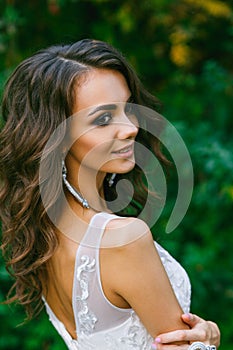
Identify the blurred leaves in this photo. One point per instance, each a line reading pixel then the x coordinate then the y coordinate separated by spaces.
pixel 183 53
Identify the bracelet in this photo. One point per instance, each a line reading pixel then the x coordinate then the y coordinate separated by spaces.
pixel 197 345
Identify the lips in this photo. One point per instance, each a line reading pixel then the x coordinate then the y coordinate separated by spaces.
pixel 126 151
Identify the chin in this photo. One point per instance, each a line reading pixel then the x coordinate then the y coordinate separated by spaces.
pixel 119 166
pixel 126 168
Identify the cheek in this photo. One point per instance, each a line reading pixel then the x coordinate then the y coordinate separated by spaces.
pixel 90 150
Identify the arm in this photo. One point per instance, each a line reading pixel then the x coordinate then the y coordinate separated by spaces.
pixel 144 284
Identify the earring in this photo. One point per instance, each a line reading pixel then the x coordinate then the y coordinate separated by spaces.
pixel 72 189
pixel 111 180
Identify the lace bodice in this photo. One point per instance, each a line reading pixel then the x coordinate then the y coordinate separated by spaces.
pixel 99 324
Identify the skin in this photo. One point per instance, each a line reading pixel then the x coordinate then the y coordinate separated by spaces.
pixel 97 134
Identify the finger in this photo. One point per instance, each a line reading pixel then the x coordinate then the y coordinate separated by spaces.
pixel 191 319
pixel 171 337
pixel 156 346
pixel 188 335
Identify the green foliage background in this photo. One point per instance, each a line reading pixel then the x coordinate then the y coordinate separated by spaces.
pixel 183 52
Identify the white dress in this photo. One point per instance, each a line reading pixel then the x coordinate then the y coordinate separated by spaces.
pixel 100 325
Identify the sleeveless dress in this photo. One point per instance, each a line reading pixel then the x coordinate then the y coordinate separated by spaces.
pixel 100 325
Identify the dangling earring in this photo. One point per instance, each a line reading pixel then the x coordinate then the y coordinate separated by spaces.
pixel 73 190
pixel 111 180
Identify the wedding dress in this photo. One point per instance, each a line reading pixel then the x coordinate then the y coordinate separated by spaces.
pixel 100 325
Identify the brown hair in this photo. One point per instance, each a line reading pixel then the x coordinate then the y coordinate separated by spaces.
pixel 38 97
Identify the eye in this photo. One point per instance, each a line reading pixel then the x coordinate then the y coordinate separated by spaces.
pixel 131 112
pixel 129 109
pixel 103 120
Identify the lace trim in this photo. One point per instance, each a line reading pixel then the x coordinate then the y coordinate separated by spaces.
pixel 87 319
pixel 178 278
pixel 136 337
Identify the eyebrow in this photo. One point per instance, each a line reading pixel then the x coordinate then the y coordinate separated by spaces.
pixel 103 107
pixel 108 107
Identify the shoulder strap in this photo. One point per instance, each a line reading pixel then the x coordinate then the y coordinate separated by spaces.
pixel 96 229
pixel 92 310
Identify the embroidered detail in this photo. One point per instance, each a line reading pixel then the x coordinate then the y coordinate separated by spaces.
pixel 137 336
pixel 178 278
pixel 86 317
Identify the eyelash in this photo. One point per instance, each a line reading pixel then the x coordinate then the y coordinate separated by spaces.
pixel 101 120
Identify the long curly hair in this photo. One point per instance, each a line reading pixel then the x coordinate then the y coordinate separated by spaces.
pixel 38 97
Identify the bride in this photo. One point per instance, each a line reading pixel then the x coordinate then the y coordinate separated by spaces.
pixel 71 132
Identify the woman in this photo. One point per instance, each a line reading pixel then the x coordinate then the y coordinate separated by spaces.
pixel 99 275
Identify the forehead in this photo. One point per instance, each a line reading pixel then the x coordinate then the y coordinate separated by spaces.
pixel 101 86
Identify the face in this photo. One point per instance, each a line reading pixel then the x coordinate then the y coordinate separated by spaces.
pixel 103 128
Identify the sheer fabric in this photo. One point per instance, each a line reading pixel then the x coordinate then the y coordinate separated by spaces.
pixel 101 325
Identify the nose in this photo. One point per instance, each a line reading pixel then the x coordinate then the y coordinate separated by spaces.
pixel 127 127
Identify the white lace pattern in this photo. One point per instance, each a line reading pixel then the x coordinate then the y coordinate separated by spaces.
pixel 86 317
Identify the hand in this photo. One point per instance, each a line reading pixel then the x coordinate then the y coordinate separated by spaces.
pixel 200 330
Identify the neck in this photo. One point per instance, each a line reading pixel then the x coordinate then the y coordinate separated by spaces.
pixel 89 184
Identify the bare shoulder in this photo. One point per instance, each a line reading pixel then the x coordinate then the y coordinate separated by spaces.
pixel 121 232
